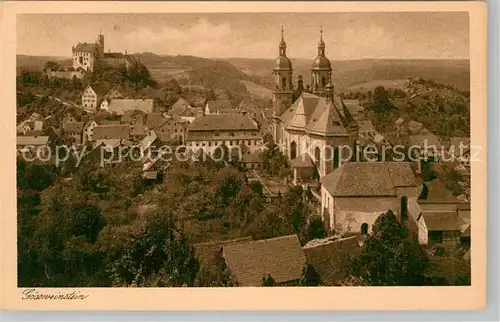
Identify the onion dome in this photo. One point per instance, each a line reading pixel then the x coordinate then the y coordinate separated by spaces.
pixel 321 62
pixel 282 62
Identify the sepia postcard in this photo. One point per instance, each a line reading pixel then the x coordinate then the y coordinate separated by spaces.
pixel 243 155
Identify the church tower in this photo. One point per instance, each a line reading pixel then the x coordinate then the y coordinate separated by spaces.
pixel 282 71
pixel 321 71
pixel 100 44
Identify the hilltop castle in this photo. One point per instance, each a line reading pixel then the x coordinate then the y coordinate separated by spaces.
pixel 310 124
pixel 85 55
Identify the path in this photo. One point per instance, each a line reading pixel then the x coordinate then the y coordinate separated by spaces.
pixel 65 103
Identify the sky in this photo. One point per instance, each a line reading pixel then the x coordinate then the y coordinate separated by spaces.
pixel 396 35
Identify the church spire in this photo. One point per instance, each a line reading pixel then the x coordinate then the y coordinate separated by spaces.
pixel 282 43
pixel 321 44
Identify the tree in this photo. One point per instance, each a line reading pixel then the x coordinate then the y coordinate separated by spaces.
pixel 316 229
pixel 381 99
pixel 268 281
pixel 390 255
pixel 51 65
pixel 158 255
pixel 309 276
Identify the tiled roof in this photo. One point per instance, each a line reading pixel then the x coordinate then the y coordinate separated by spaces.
pixel 425 139
pixel 328 259
pixel 86 47
pixel 115 92
pixel 316 115
pixel 120 106
pixel 216 106
pixel 32 140
pixel 102 132
pixel 222 123
pixel 249 262
pixel 155 120
pixel 369 179
pixel 33 133
pixel 255 157
pixel 73 127
pixel 128 116
pixel 437 193
pixel 441 221
pixel 206 252
pixel 180 103
pixel 302 161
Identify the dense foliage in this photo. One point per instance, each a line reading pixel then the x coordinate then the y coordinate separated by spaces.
pixel 390 255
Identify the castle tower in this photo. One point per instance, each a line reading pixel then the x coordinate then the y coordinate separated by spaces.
pixel 321 71
pixel 100 43
pixel 282 71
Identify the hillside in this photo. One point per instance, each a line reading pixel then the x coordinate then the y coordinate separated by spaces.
pixel 350 73
pixel 219 75
pixel 242 77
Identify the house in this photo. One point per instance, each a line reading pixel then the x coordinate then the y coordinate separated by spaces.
pixel 114 93
pixel 120 106
pixel 252 160
pixel 435 197
pixel 88 131
pixel 134 117
pixel 170 128
pixel 179 106
pixel 329 258
pixel 209 254
pixel 303 169
pixel 73 131
pixel 356 194
pixel 33 123
pixel 249 262
pixel 429 145
pixel 439 227
pixel 33 146
pixel 112 152
pixel 211 132
pixel 89 99
pixel 104 132
pixel 218 107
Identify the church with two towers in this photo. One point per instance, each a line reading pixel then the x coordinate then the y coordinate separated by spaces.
pixel 310 124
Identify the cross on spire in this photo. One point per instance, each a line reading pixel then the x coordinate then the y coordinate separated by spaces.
pixel 321 32
pixel 281 32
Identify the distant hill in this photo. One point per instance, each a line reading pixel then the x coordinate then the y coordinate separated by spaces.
pixel 243 77
pixel 350 73
pixel 36 63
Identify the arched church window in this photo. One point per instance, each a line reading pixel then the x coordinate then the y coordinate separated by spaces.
pixel 323 81
pixel 283 81
pixel 336 158
pixel 404 207
pixel 293 150
pixel 317 154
